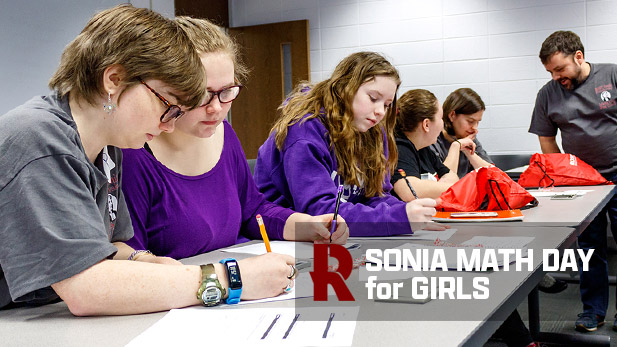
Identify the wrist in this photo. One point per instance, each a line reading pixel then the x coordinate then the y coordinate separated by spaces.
pixel 221 273
pixel 289 230
pixel 234 280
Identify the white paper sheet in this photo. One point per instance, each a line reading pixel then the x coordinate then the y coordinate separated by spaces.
pixel 544 193
pixel 198 326
pixel 429 235
pixel 511 242
pixel 302 250
pixel 303 280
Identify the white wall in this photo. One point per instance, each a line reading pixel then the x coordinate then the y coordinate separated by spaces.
pixel 34 33
pixel 491 46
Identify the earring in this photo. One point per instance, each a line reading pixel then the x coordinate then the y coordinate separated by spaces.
pixel 109 106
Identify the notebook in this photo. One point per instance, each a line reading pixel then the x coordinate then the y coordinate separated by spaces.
pixel 479 216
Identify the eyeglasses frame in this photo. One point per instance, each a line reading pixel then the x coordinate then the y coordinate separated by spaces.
pixel 167 103
pixel 218 94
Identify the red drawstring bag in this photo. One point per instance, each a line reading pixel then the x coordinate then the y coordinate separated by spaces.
pixel 559 169
pixel 485 189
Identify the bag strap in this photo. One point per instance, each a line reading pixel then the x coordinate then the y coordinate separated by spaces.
pixel 543 168
pixel 490 182
pixel 531 204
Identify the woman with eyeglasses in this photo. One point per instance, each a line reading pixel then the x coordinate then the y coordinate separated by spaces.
pixel 191 191
pixel 64 217
pixel 124 80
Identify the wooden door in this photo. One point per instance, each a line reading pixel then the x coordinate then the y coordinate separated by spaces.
pixel 254 111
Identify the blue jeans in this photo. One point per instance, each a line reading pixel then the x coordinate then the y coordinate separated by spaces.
pixel 594 283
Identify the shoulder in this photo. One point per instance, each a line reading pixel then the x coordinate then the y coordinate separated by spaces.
pixel 308 130
pixel 231 138
pixel 603 66
pixel 405 147
pixel 601 70
pixel 548 88
pixel 139 166
pixel 37 129
pixel 41 120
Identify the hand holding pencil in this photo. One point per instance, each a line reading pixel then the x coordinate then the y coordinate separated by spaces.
pixel 304 227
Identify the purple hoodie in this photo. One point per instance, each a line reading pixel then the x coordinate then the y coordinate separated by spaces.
pixel 303 177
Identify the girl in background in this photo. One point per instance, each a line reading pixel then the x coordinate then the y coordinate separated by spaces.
pixel 419 123
pixel 340 132
pixel 462 113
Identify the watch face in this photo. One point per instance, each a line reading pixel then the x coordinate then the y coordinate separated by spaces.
pixel 211 296
pixel 235 281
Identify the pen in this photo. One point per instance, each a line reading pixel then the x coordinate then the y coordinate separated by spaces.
pixel 291 325
pixel 338 203
pixel 270 327
pixel 264 235
pixel 402 172
pixel 325 332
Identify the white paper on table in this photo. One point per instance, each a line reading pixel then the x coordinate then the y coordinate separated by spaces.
pixel 542 193
pixel 246 327
pixel 303 279
pixel 302 250
pixel 504 242
pixel 429 235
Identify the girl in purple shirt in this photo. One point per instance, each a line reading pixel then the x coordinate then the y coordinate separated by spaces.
pixel 191 191
pixel 340 132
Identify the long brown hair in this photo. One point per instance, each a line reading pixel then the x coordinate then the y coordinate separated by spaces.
pixel 360 156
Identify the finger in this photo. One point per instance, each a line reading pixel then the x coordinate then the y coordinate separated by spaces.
pixel 322 232
pixel 426 202
pixel 436 226
pixel 430 211
pixel 322 228
pixel 289 260
pixel 341 235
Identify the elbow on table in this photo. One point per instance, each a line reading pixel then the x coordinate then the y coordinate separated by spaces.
pixel 79 303
pixel 80 296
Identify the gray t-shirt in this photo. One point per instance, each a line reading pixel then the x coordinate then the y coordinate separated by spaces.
pixel 586 117
pixel 59 211
pixel 442 147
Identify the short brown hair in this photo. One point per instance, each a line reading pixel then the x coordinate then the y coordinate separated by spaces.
pixel 461 101
pixel 360 156
pixel 210 38
pixel 565 42
pixel 415 106
pixel 146 44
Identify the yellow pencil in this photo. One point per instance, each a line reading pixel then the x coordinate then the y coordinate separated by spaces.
pixel 264 235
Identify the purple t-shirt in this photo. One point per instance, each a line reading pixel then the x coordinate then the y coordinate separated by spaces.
pixel 303 177
pixel 181 216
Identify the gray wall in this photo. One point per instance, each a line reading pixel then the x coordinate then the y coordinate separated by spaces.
pixel 489 45
pixel 33 34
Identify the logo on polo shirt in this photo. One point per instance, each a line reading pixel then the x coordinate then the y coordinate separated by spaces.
pixel 604 92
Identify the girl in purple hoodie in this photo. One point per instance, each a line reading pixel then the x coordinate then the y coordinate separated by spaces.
pixel 340 132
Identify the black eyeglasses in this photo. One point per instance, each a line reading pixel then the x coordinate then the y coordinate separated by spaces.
pixel 225 95
pixel 172 111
